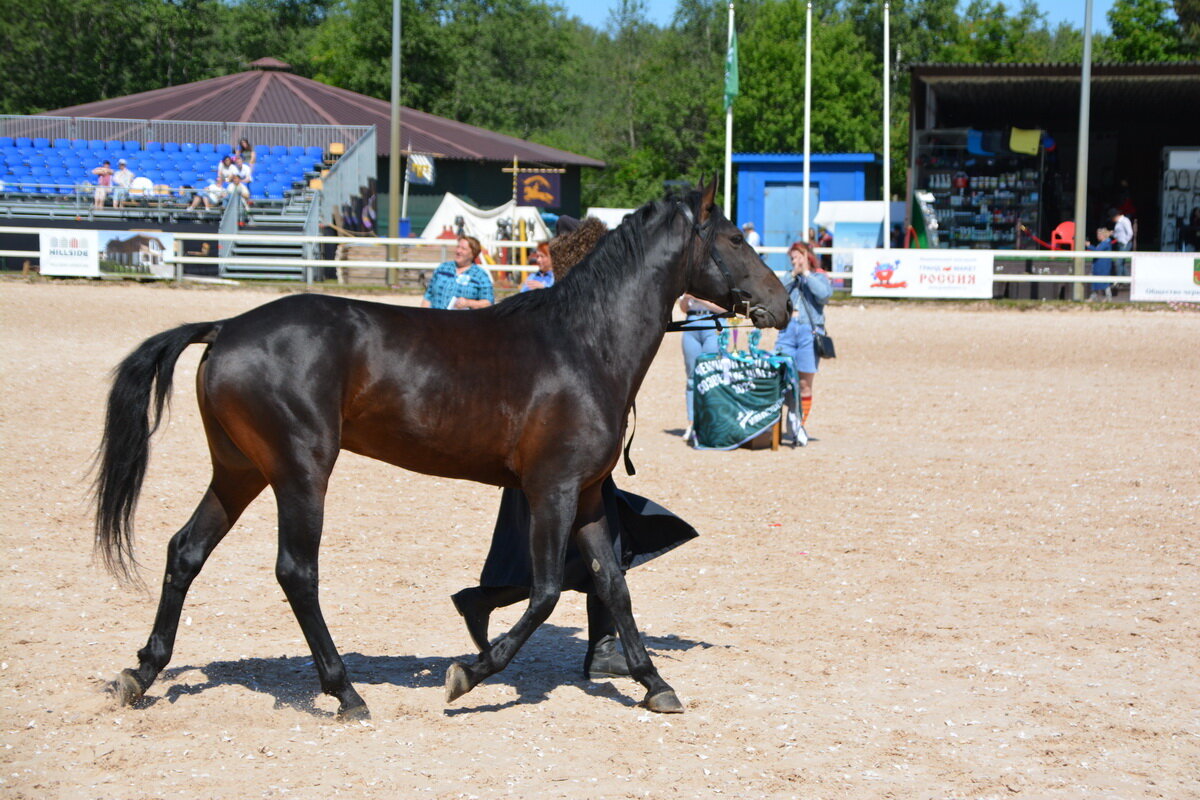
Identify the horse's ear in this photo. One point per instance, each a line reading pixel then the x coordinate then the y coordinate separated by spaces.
pixel 708 199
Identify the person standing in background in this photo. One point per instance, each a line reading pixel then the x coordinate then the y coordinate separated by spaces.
pixel 809 291
pixel 543 278
pixel 703 339
pixel 104 177
pixel 752 237
pixel 123 180
pixel 1122 234
pixel 461 283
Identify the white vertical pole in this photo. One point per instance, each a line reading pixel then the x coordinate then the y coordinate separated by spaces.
pixel 1081 164
pixel 887 124
pixel 394 139
pixel 807 115
pixel 729 135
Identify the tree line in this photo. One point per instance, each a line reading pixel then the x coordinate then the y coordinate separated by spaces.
pixel 645 98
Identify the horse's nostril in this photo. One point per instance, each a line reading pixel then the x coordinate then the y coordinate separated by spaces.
pixel 789 306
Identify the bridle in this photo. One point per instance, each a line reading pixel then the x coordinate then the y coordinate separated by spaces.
pixel 707 234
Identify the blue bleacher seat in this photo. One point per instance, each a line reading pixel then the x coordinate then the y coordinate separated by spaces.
pixel 6 142
pixel 133 145
pixel 153 147
pixel 188 147
pixel 115 144
pixel 206 148
pixel 62 142
pixel 41 142
pixel 96 144
pixel 170 147
pixel 79 144
pixel 24 141
pixel 295 151
pixel 279 150
pixel 315 153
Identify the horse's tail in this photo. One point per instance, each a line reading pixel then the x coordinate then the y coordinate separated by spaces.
pixel 125 448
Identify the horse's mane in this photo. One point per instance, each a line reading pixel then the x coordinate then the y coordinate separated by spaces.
pixel 620 252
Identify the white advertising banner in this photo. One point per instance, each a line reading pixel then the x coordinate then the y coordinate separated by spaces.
pixel 70 253
pixel 1166 278
pixel 947 274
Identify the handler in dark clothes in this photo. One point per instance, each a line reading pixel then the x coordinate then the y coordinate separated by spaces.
pixel 641 528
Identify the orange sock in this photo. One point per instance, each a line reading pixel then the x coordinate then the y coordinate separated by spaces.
pixel 805 407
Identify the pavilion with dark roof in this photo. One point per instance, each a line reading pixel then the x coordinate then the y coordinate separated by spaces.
pixel 469 160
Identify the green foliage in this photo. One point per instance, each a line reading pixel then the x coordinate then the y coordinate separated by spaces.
pixel 1143 30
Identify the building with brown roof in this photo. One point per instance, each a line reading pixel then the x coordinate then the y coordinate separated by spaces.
pixel 469 159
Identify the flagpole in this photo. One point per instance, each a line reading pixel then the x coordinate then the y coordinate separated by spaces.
pixel 394 138
pixel 887 127
pixel 1081 158
pixel 731 53
pixel 807 116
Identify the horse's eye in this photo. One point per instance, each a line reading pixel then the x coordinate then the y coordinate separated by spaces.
pixel 737 239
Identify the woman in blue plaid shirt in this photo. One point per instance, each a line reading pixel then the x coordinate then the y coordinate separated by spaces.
pixel 460 283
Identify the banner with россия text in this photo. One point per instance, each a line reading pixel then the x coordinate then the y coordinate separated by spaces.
pixel 947 274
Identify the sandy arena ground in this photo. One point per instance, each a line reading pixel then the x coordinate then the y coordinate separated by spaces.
pixel 981 580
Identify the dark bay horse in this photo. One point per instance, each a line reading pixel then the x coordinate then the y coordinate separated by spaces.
pixel 532 393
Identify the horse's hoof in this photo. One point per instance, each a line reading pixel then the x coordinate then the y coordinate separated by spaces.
pixel 665 702
pixel 355 713
pixel 127 688
pixel 458 682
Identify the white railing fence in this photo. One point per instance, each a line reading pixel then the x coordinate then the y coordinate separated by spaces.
pixel 227 236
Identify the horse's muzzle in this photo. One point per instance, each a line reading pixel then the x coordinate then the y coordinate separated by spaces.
pixel 763 317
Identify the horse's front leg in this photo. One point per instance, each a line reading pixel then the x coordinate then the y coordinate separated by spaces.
pixel 550 517
pixel 596 542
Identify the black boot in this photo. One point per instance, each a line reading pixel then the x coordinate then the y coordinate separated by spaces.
pixel 475 611
pixel 604 659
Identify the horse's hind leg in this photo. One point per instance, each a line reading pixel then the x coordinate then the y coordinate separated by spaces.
pixel 596 543
pixel 301 516
pixel 230 491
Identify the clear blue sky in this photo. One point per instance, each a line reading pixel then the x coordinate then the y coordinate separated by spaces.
pixel 596 12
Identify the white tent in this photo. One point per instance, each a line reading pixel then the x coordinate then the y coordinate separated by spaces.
pixel 483 223
pixel 611 217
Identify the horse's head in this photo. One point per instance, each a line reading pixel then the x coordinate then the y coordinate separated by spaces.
pixel 727 271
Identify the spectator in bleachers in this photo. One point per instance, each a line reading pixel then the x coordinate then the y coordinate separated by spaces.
pixel 246 151
pixel 211 195
pixel 122 179
pixel 104 179
pixel 225 170
pixel 244 170
pixel 235 186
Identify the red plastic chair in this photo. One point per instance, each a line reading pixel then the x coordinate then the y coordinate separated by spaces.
pixel 1063 237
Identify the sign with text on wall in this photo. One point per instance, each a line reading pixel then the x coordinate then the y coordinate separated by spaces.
pixel 1167 278
pixel 949 274
pixel 69 253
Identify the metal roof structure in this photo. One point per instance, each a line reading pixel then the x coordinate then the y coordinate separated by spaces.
pixel 271 92
pixel 1047 95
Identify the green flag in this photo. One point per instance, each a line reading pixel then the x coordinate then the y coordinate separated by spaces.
pixel 731 70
